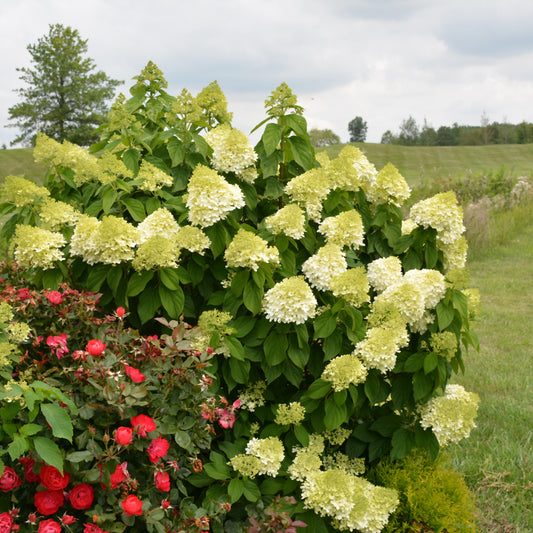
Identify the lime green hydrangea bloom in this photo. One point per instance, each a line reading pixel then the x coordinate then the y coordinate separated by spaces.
pixel 19 332
pixel 344 229
pixel 454 254
pixel 408 225
pixel 156 252
pixel 111 168
pixel 322 267
pixel 350 170
pixel 247 465
pixel 289 221
pixel 390 187
pixel 6 349
pixel 21 192
pixel 351 285
pixel 232 151
pixel 408 298
pixel 84 165
pixel 344 370
pixel 430 282
pixel 290 301
pixel 384 272
pixel 159 223
pixel 350 501
pixel 6 312
pixel 444 343
pixel 474 302
pixel 247 250
pixel 252 397
pixel 281 101
pixel 338 436
pixel 270 453
pixel 153 179
pixel 380 347
pixel 186 107
pixel 306 461
pixel 193 239
pixel 310 189
pixel 451 416
pixel 56 214
pixel 37 247
pixel 213 322
pixel 442 213
pixel 213 102
pixel 339 460
pixel 210 197
pixel 289 413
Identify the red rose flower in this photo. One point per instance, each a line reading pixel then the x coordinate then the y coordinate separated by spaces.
pixel 136 375
pixel 158 448
pixel 6 522
pixel 95 347
pixel 29 474
pixel 9 480
pixel 118 476
pixel 54 297
pixel 81 496
pixel 51 478
pixel 120 312
pixel 67 519
pixel 132 505
pixel 49 526
pixel 162 481
pixel 91 528
pixel 143 424
pixel 165 504
pixel 48 501
pixel 124 436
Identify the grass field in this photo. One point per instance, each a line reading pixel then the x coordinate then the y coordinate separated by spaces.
pixel 19 162
pixel 420 163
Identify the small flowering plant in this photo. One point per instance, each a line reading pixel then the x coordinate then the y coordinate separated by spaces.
pixel 102 427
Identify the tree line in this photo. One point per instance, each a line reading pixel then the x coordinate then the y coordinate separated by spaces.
pixel 487 132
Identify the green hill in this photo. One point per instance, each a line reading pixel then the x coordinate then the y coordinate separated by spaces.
pixel 416 163
pixel 420 163
pixel 20 162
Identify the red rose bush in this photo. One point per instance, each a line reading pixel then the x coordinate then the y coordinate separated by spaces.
pixel 103 426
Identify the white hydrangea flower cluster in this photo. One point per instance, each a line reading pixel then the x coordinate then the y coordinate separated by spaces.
pixel 270 453
pixel 156 252
pixel 159 223
pixel 407 297
pixel 290 301
pixel 431 283
pixel 310 189
pixel 111 240
pixel 55 214
pixel 153 178
pixel 307 460
pixel 344 229
pixel 351 285
pixel 408 225
pixel 322 267
pixel 352 502
pixel 350 170
pixel 210 197
pixel 247 250
pixel 19 332
pixel 232 152
pixel 252 397
pixel 451 416
pixel 454 254
pixel 193 239
pixel 37 247
pixel 384 272
pixel 111 167
pixel 289 413
pixel 344 370
pixel 381 345
pixel 390 187
pixel 289 220
pixel 21 192
pixel 442 213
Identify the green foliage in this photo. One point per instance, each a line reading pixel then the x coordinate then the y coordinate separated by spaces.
pixel 357 129
pixel 268 294
pixel 324 137
pixel 433 497
pixel 63 97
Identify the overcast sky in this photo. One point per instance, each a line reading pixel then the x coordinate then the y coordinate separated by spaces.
pixel 443 61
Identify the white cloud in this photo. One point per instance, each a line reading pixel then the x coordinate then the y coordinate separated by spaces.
pixel 381 59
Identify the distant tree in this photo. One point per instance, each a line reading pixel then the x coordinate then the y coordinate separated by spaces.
pixel 358 129
pixel 63 97
pixel 428 135
pixel 388 138
pixel 323 137
pixel 524 133
pixel 446 136
pixel 408 132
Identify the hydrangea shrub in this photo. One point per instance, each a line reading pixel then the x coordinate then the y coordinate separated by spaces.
pixel 336 321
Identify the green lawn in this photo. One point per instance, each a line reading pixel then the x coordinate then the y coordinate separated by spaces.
pixel 498 457
pixel 19 162
pixel 420 163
